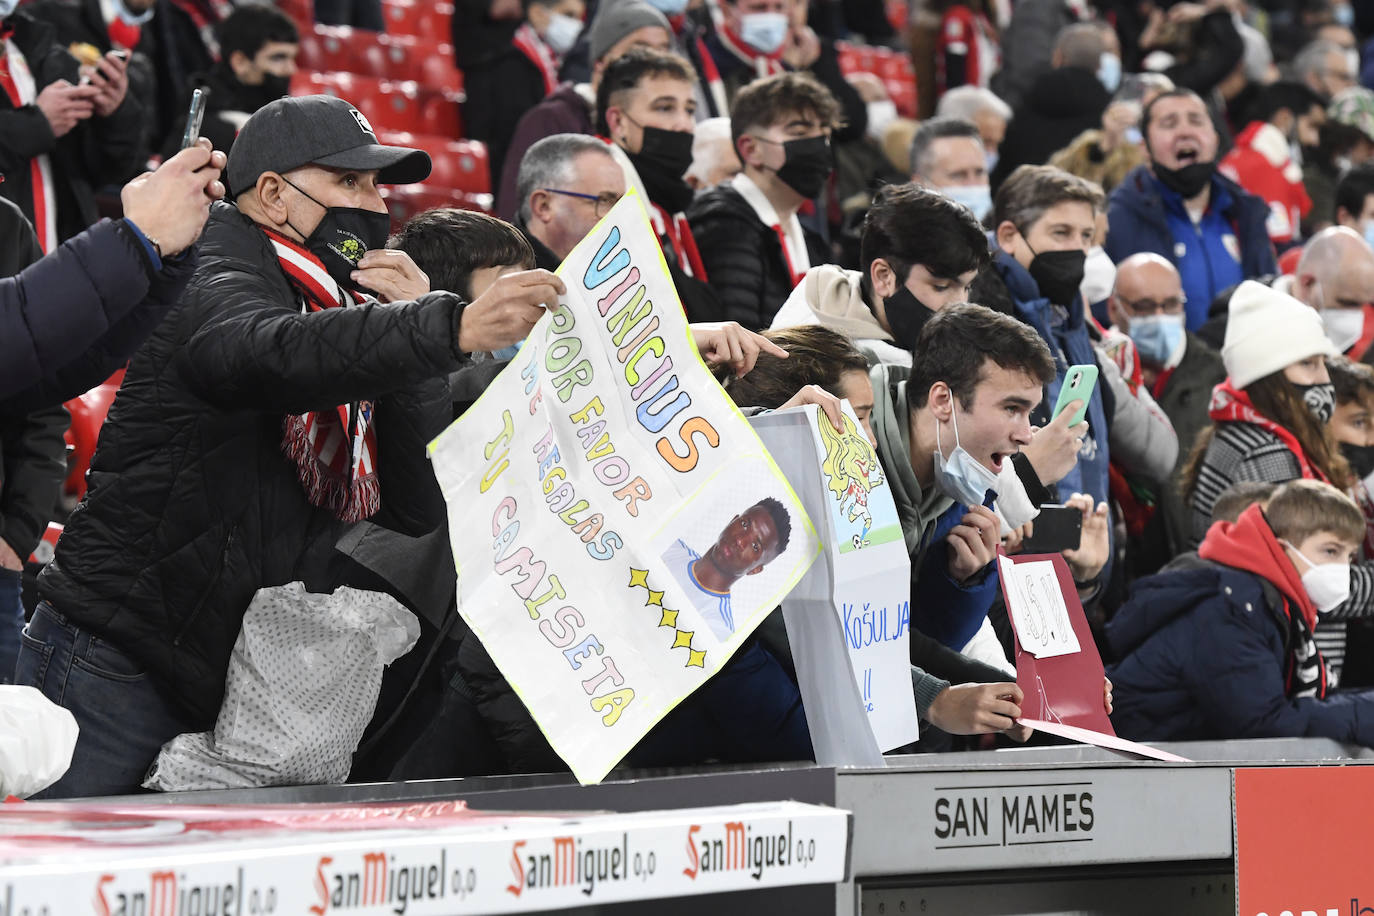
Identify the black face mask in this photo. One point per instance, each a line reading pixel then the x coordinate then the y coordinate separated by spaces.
pixel 343 236
pixel 807 165
pixel 1361 458
pixel 270 89
pixel 1320 399
pixel 1188 181
pixel 1059 274
pixel 906 316
pixel 662 160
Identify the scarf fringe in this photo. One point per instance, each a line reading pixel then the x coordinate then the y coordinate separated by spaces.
pixel 348 500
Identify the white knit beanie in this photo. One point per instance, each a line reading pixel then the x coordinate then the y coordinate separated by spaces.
pixel 1266 331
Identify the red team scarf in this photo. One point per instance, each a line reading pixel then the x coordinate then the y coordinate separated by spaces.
pixel 1230 404
pixel 763 64
pixel 335 451
pixel 529 43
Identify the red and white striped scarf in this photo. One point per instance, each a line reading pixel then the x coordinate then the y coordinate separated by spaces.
pixel 335 451
pixel 528 43
pixel 764 64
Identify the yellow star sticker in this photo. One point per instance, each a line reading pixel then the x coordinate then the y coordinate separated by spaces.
pixel 638 577
pixel 654 598
pixel 683 640
pixel 696 659
pixel 669 618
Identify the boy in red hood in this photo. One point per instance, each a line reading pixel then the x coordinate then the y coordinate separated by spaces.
pixel 1219 644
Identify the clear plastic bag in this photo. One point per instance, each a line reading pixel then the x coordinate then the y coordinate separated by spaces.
pixel 301 687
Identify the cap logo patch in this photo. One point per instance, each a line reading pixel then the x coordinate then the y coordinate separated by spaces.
pixel 362 121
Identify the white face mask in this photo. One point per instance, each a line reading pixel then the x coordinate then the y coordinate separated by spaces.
pixel 977 197
pixel 880 115
pixel 961 477
pixel 561 33
pixel 7 7
pixel 1327 584
pixel 1343 326
pixel 763 31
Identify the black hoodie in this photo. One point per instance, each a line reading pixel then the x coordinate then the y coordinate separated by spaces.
pixel 1059 106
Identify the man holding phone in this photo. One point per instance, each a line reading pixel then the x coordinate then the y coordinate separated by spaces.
pixel 1045 222
pixel 217 471
pixel 60 138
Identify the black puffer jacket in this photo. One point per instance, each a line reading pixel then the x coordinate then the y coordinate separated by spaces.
pixel 743 257
pixel 192 506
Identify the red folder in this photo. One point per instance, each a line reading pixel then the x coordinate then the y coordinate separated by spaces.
pixel 1063 694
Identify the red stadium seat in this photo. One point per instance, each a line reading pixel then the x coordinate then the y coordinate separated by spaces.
pixel 388 105
pixel 418 17
pixel 440 115
pixel 405 201
pixel 427 61
pixel 458 164
pixel 892 67
pixel 88 415
pixel 302 12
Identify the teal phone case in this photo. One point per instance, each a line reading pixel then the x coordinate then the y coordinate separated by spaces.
pixel 1079 382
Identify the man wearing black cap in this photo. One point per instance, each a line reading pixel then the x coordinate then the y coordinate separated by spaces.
pixel 276 404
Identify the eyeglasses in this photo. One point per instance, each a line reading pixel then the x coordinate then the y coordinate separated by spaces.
pixel 604 201
pixel 1151 307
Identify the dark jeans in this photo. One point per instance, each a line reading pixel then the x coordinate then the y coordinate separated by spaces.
pixel 123 718
pixel 11 621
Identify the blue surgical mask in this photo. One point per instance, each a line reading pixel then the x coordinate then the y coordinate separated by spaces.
pixel 562 33
pixel 977 197
pixel 1156 337
pixel 991 159
pixel 129 17
pixel 669 7
pixel 763 31
pixel 7 7
pixel 1344 15
pixel 961 477
pixel 1369 232
pixel 1109 71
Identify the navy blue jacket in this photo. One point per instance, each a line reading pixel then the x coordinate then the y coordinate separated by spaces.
pixel 1138 221
pixel 941 607
pixel 1071 345
pixel 75 316
pixel 1203 651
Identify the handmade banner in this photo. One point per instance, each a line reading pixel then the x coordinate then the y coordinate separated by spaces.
pixel 617 527
pixel 849 617
pixel 1057 665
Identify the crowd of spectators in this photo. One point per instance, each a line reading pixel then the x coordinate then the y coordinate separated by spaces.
pixel 934 210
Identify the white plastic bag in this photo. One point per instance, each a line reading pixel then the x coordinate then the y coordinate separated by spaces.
pixel 37 738
pixel 302 686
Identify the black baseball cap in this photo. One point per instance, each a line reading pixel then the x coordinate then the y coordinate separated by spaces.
pixel 316 130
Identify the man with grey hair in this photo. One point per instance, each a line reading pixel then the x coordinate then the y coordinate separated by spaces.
pixel 566 183
pixel 947 155
pixel 1147 335
pixel 1336 277
pixel 714 160
pixel 1065 100
pixel 1325 66
pixel 983 108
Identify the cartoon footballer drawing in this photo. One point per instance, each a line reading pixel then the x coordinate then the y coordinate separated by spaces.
pixel 851 471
